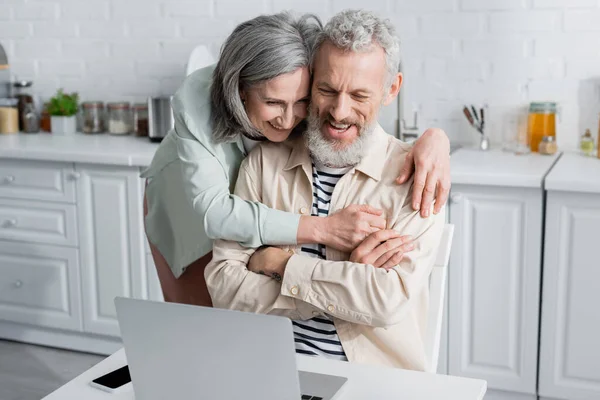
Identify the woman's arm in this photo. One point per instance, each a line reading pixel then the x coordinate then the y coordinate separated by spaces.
pixel 250 223
pixel 429 159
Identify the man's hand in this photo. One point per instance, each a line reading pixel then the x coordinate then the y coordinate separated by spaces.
pixel 382 249
pixel 270 261
pixel 429 159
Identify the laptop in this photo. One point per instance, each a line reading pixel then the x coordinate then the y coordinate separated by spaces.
pixel 178 351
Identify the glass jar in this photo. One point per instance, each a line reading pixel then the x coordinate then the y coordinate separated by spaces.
pixel 119 118
pixel 542 122
pixel 587 143
pixel 93 114
pixel 140 119
pixel 547 145
pixel 45 119
pixel 31 120
pixel 9 115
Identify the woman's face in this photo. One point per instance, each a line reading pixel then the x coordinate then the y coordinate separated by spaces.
pixel 276 106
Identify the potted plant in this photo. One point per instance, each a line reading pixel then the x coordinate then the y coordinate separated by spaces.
pixel 62 109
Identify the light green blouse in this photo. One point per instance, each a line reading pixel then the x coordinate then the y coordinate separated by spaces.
pixel 189 185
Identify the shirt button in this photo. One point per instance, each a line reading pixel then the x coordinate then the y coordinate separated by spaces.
pixel 291 251
pixel 294 290
pixel 330 308
pixel 303 210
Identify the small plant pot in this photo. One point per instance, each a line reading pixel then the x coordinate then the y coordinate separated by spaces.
pixel 63 125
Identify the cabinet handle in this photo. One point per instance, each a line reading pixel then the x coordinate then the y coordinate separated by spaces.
pixel 9 223
pixel 9 179
pixel 18 283
pixel 74 176
pixel 456 198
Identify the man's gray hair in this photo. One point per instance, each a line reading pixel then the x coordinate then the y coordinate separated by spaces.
pixel 358 30
pixel 256 51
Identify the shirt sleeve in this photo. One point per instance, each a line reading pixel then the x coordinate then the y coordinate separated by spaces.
pixel 230 284
pixel 225 215
pixel 361 293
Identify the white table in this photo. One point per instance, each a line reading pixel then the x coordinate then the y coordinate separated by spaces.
pixel 364 382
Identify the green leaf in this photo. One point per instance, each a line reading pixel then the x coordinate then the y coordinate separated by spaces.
pixel 63 104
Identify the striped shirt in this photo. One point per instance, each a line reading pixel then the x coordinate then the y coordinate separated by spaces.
pixel 318 336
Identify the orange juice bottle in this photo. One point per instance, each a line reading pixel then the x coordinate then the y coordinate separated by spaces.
pixel 542 122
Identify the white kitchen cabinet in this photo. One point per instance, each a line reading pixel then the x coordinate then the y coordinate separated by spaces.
pixel 38 221
pixel 570 334
pixel 495 269
pixel 111 242
pixel 39 285
pixel 37 180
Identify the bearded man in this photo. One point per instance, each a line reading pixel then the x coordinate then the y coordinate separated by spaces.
pixel 369 306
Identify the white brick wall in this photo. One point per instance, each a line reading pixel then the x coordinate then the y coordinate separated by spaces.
pixel 504 53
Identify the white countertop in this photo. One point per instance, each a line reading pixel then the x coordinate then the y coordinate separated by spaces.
pixel 575 173
pixel 499 168
pixel 364 382
pixel 125 150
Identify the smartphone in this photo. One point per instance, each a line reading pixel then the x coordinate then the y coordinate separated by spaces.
pixel 113 381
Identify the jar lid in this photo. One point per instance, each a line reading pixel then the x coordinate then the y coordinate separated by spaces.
pixel 92 104
pixel 8 102
pixel 140 106
pixel 548 139
pixel 543 107
pixel 118 105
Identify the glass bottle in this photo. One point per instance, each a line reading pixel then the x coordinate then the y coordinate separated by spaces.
pixel 587 143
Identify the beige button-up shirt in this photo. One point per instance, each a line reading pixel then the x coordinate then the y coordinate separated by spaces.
pixel 380 316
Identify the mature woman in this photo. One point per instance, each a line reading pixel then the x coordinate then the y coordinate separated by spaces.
pixel 258 90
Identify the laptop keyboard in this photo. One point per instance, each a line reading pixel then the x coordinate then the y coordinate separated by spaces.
pixel 309 397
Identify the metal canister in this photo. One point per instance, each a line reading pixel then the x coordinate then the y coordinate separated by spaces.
pixel 160 117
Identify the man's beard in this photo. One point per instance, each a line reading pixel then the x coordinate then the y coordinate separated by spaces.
pixel 334 153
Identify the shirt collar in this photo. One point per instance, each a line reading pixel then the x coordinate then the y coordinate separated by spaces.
pixel 371 165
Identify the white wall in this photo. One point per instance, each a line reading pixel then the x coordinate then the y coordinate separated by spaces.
pixel 501 52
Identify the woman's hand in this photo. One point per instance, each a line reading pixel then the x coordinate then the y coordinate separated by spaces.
pixel 382 249
pixel 429 159
pixel 342 230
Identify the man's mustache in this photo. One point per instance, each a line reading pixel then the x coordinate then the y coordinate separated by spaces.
pixel 330 118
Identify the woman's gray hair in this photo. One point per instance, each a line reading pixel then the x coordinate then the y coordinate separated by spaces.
pixel 256 51
pixel 357 30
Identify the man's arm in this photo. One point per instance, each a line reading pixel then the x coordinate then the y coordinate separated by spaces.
pixel 359 292
pixel 229 282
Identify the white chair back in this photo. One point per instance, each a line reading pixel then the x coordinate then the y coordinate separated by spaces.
pixel 437 291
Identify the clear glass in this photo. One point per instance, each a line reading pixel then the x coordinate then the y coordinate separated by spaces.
pixel 515 132
pixel 119 118
pixel 93 117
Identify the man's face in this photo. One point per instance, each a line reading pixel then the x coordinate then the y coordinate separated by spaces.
pixel 347 91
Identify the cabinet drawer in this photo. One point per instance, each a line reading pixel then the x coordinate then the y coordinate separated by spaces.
pixel 34 221
pixel 39 285
pixel 37 180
